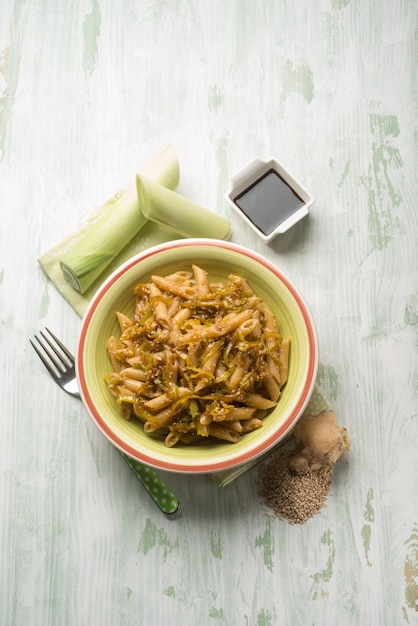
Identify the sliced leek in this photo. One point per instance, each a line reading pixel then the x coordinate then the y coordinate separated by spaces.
pixel 184 216
pixel 112 227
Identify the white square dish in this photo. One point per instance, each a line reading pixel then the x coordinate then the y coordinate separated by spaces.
pixel 268 197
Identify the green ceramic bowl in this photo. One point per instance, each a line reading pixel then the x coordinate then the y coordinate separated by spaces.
pixel 220 259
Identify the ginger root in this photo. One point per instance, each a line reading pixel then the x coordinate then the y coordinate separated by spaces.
pixel 321 442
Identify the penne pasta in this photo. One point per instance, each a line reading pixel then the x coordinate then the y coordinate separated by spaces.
pixel 218 329
pixel 159 307
pixel 252 424
pixel 257 401
pixel 226 433
pixel 134 385
pixel 166 399
pixel 133 373
pixel 199 360
pixel 184 290
pixel 274 369
pixel 172 368
pixel 112 347
pixel 270 323
pixel 171 439
pixel 238 413
pixel 209 361
pixel 272 388
pixel 124 321
pixel 175 306
pixel 201 278
pixel 125 394
pixel 151 428
pixel 125 411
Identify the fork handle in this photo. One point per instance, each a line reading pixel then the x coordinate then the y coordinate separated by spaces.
pixel 158 490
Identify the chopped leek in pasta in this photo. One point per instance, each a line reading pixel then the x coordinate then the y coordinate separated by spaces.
pixel 199 359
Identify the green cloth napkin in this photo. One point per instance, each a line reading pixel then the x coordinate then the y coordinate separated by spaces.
pixel 150 235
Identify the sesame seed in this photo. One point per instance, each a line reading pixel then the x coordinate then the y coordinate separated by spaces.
pixel 293 497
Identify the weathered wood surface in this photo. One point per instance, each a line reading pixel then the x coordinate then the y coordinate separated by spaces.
pixel 88 91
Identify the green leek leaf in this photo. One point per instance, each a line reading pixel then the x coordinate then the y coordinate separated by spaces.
pixel 164 206
pixel 112 227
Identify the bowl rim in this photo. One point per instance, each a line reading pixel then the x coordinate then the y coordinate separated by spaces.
pixel 180 465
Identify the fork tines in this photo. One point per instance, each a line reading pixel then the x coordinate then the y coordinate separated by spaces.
pixel 53 353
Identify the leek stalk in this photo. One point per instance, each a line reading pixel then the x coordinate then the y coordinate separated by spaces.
pixel 164 206
pixel 112 227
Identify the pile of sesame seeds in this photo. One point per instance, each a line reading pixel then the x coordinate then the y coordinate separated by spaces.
pixel 293 497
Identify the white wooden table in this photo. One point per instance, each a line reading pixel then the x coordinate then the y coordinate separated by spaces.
pixel 89 90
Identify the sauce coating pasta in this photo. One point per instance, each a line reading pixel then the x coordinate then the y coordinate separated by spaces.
pixel 198 360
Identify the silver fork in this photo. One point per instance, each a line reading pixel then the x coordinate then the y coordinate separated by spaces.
pixel 59 362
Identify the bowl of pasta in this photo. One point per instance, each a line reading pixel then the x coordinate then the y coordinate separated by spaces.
pixel 197 356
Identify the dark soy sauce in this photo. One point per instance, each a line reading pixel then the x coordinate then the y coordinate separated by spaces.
pixel 269 201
